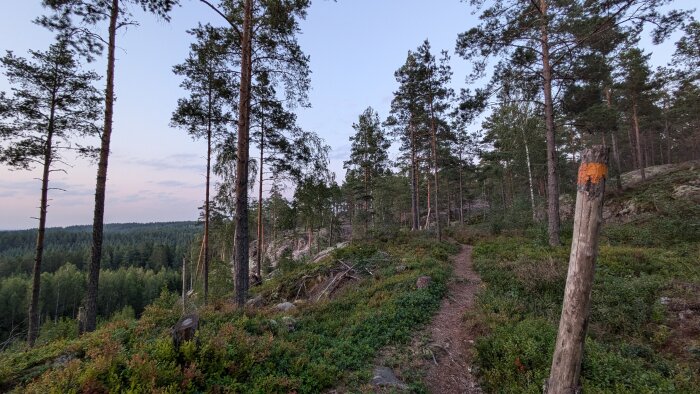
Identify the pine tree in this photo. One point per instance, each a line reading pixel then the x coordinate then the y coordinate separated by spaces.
pixel 266 42
pixel 407 115
pixel 436 96
pixel 418 118
pixel 52 103
pixel 205 113
pixel 369 158
pixel 70 19
pixel 635 86
pixel 540 40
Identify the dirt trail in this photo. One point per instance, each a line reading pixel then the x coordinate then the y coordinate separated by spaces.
pixel 451 341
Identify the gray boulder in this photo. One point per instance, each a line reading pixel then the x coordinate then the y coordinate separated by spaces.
pixel 385 377
pixel 285 306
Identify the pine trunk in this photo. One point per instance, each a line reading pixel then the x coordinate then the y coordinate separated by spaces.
pixel 428 205
pixel 367 198
pixel 613 139
pixel 633 152
pixel 435 171
pixel 101 182
pixel 449 203
pixel 242 258
pixel 461 194
pixel 637 134
pixel 667 132
pixel 260 204
pixel 415 208
pixel 552 179
pixel 33 330
pixel 207 208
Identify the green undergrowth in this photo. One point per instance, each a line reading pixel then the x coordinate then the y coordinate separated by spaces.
pixel 626 350
pixel 332 342
pixel 663 217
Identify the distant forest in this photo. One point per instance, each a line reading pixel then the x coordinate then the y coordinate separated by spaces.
pixel 139 261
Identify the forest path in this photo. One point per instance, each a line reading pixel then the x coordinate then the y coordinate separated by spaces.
pixel 450 336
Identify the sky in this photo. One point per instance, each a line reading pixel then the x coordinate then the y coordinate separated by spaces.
pixel 156 173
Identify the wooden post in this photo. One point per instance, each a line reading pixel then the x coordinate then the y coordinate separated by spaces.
pixel 568 353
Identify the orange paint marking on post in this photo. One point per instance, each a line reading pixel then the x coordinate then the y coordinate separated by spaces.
pixel 592 172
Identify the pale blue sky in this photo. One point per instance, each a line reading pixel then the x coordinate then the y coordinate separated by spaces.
pixel 155 172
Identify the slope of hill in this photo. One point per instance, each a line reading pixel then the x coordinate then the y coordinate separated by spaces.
pixel 346 308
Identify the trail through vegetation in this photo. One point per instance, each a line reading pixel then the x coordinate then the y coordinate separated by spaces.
pixel 451 371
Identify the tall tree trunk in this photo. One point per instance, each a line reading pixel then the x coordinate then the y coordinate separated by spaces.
pixel 552 179
pixel 529 178
pixel 435 169
pixel 428 205
pixel 651 149
pixel 640 157
pixel 241 280
pixel 616 155
pixel 207 208
pixel 667 133
pixel 461 193
pixel 367 198
pixel 101 183
pixel 613 139
pixel 39 254
pixel 633 152
pixel 260 204
pixel 415 208
pixel 330 228
pixel 449 203
pixel 184 285
pixel 310 236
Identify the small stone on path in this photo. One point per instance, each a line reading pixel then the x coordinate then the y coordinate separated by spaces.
pixel 384 376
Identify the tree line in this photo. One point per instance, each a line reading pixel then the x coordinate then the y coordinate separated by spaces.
pixel 154 246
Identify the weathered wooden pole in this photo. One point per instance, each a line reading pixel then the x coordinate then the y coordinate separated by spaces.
pixel 568 353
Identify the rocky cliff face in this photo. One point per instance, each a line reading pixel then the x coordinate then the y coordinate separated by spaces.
pixel 674 184
pixel 299 245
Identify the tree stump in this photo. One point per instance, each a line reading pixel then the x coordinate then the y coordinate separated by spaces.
pixel 568 353
pixel 185 329
pixel 81 320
